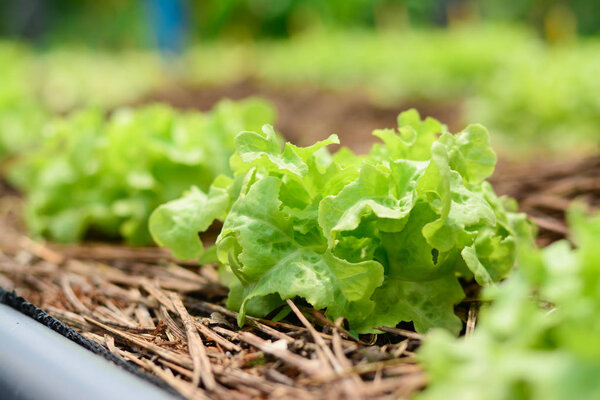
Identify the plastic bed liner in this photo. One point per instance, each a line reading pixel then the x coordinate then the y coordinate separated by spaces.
pixel 37 363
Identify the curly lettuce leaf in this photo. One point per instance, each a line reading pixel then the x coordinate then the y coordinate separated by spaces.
pixel 428 304
pixel 176 224
pixel 271 261
pixel 387 193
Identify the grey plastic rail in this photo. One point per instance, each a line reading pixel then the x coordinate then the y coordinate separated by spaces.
pixel 38 363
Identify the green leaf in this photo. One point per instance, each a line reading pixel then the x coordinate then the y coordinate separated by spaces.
pixel 264 150
pixel 481 274
pixel 470 153
pixel 376 192
pixel 176 224
pixel 273 262
pixel 428 304
pixel 410 256
pixel 459 207
pixel 323 280
pixel 539 337
pixel 413 141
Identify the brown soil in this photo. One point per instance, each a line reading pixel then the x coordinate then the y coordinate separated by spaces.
pixel 546 189
pixel 305 115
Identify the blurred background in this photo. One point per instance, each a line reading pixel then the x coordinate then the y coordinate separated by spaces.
pixel 124 24
pixel 528 70
pixel 83 158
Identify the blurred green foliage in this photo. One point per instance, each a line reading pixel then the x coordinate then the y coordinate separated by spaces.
pixel 540 337
pixel 21 117
pixel 267 18
pixel 35 86
pixel 116 23
pixel 585 14
pixel 106 175
pixel 253 18
pixel 505 77
pixel 109 23
pixel 543 94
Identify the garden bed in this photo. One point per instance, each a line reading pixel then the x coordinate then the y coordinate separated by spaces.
pixel 146 308
pixel 130 300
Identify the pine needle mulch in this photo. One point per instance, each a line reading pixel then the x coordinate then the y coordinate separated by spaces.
pixel 168 318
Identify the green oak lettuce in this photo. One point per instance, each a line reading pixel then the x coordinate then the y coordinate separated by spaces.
pixel 104 176
pixel 377 239
pixel 540 338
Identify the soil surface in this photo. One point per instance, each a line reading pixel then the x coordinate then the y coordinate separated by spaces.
pixel 546 189
pixel 305 115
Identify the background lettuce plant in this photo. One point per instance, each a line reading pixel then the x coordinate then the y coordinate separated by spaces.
pixel 540 339
pixel 377 239
pixel 105 176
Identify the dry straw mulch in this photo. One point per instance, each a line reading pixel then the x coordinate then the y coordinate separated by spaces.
pixel 157 316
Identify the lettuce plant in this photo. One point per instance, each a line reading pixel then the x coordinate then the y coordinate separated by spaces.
pixel 540 338
pixel 93 175
pixel 377 239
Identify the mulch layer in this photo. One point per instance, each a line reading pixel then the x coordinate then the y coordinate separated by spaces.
pixel 546 189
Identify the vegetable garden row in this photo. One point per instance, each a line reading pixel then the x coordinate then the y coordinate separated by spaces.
pixel 314 271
